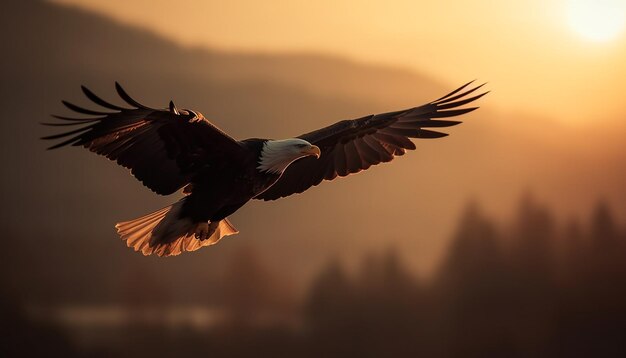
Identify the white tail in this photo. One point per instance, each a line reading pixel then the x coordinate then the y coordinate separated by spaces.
pixel 165 234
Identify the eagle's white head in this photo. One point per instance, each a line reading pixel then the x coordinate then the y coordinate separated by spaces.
pixel 276 155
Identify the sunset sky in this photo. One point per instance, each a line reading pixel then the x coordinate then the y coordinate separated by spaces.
pixel 522 208
pixel 561 58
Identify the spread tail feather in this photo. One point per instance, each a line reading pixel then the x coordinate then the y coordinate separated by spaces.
pixel 165 234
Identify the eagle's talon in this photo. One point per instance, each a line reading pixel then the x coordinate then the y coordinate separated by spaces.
pixel 202 230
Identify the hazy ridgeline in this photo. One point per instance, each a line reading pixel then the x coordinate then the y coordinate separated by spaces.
pixel 533 287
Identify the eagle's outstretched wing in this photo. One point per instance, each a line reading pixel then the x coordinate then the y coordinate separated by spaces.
pixel 351 146
pixel 163 148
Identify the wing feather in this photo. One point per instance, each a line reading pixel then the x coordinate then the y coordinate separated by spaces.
pixel 82 110
pixel 384 154
pixel 122 93
pixel 451 98
pixel 398 141
pixel 99 101
pixel 353 157
pixel 341 166
pixel 463 102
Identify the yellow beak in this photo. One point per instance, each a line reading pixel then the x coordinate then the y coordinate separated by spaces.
pixel 313 150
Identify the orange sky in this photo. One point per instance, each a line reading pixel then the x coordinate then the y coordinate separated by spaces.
pixel 533 60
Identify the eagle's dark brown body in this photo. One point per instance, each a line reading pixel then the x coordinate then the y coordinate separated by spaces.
pixel 218 192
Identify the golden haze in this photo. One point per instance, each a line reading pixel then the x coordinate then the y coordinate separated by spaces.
pixel 534 61
pixel 515 274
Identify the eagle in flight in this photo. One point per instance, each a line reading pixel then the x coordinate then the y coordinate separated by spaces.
pixel 169 149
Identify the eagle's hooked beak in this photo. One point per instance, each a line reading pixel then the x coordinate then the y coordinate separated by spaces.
pixel 313 150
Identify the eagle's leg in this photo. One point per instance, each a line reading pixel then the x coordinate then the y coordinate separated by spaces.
pixel 204 230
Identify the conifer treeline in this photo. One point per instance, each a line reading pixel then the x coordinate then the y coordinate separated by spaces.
pixel 531 288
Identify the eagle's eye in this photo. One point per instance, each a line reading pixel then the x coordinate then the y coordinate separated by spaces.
pixel 301 145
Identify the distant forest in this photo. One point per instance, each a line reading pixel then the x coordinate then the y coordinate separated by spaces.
pixel 530 288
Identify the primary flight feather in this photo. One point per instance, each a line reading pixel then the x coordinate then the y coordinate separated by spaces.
pixel 169 149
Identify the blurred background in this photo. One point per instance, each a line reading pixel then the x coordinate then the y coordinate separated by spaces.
pixel 506 238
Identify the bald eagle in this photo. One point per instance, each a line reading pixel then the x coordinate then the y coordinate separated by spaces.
pixel 171 149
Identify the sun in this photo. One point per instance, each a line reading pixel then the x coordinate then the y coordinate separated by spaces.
pixel 597 20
